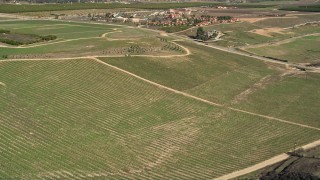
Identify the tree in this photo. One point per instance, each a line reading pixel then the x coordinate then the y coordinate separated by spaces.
pixel 201 34
pixel 108 15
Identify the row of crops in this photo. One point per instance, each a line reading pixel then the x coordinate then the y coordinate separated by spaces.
pixel 79 118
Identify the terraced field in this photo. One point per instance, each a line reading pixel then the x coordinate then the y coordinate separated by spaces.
pixel 79 118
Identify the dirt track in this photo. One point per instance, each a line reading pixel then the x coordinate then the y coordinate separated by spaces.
pixel 266 163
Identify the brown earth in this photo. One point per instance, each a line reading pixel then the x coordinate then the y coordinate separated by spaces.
pixel 268 31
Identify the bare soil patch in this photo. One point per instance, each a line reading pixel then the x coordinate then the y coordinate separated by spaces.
pixel 252 20
pixel 261 84
pixel 268 31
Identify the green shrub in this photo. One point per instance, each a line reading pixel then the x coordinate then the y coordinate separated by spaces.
pixel 4 31
pixel 48 37
pixel 11 42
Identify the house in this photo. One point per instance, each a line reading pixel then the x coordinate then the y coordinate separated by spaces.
pixel 120 19
pixel 134 20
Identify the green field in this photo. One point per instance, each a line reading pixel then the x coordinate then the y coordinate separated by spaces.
pixel 207 73
pixel 225 78
pixel 66 114
pixel 78 118
pixel 302 50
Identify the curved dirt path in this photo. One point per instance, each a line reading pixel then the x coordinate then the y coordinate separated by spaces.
pixel 104 34
pixel 256 167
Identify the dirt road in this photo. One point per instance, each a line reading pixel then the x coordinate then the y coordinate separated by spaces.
pixel 266 163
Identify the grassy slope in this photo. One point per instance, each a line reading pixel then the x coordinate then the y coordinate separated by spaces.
pixel 80 118
pixel 302 50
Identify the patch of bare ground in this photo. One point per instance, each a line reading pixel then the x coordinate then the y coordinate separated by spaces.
pixel 2 84
pixel 256 19
pixel 252 20
pixel 268 31
pixel 261 84
pixel 163 34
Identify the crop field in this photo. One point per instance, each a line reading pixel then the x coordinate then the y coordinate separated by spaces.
pixel 120 126
pixel 233 80
pixel 210 67
pixel 116 102
pixel 295 98
pixel 302 50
